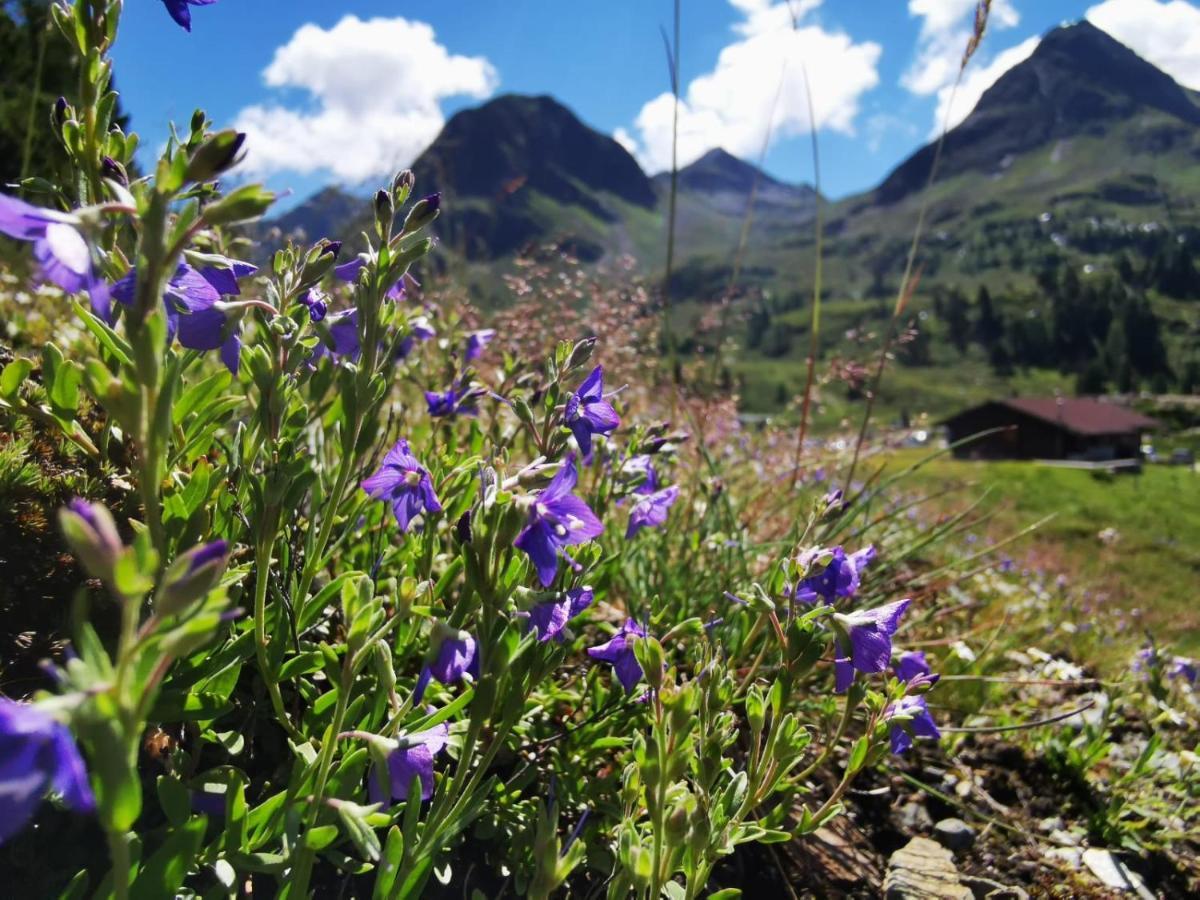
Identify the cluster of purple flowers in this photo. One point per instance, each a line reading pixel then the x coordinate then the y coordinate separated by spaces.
pixel 863 638
pixel 195 311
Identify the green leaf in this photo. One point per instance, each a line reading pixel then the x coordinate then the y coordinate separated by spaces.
pixel 726 894
pixel 858 755
pixel 303 664
pixel 320 837
pixel 174 799
pixel 111 341
pixel 389 864
pixel 164 872
pixel 13 377
pixel 76 888
pixel 198 395
pixel 117 785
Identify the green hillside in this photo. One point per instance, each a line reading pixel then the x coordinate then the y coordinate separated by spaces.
pixel 1070 197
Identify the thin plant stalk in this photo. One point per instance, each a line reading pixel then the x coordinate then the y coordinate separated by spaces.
pixel 38 68
pixel 673 65
pixel 908 283
pixel 814 339
pixel 748 218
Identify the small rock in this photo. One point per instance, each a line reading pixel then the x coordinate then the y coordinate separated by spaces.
pixel 987 889
pixel 1053 823
pixel 1066 838
pixel 1106 866
pixel 954 834
pixel 915 817
pixel 924 870
pixel 1071 857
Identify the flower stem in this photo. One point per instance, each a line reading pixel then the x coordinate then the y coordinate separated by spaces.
pixel 262 571
pixel 118 848
pixel 302 870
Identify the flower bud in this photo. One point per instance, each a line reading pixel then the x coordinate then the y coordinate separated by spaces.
pixel 216 155
pixel 192 576
pixel 581 353
pixel 113 170
pixel 403 184
pixel 59 113
pixel 384 211
pixel 246 203
pixel 423 212
pixel 90 530
pixel 462 529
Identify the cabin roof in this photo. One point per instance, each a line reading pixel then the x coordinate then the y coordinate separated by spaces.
pixel 1081 415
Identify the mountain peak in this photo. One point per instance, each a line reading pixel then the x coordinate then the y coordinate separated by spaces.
pixel 1079 81
pixel 1083 74
pixel 516 141
pixel 720 172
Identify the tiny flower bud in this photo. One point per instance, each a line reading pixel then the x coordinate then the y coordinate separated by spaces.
pixel 384 211
pixel 216 155
pixel 114 170
pixel 462 529
pixel 59 115
pixel 192 576
pixel 423 212
pixel 581 353
pixel 403 184
pixel 92 534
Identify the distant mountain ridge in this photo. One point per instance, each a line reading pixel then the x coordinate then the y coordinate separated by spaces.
pixel 519 169
pixel 1077 81
pixel 1078 170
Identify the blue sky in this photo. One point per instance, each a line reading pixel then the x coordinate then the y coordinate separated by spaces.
pixel 343 91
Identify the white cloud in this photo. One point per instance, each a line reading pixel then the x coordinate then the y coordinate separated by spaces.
pixel 946 27
pixel 975 81
pixel 732 106
pixel 1165 33
pixel 376 87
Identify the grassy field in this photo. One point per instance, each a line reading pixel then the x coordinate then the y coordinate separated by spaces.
pixel 1152 566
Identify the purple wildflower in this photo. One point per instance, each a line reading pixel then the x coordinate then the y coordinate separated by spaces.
pixel 339 337
pixel 588 413
pixel 840 578
pixel 412 758
pixel 642 465
pixel 870 632
pixel 419 328
pixel 1183 667
pixel 477 341
pixel 911 665
pixel 619 653
pixel 194 311
pixel 457 400
pixel 37 755
pixel 557 519
pixel 316 301
pixel 651 511
pixel 454 657
pixel 402 481
pixel 59 248
pixel 178 10
pixel 909 717
pixel 551 617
